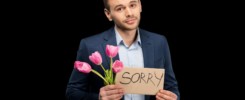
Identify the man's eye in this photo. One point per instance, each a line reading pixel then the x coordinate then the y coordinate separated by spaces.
pixel 119 9
pixel 133 5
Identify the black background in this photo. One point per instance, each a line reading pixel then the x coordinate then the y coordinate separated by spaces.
pixel 45 37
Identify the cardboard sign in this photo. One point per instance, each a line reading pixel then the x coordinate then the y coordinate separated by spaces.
pixel 141 80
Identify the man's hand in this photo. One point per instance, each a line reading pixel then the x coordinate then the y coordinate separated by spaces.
pixel 111 92
pixel 165 95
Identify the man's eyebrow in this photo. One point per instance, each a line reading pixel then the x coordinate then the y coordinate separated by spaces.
pixel 118 5
pixel 133 1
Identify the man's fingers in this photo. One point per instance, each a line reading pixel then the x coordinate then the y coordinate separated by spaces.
pixel 112 87
pixel 164 94
pixel 115 96
pixel 112 92
pixel 160 95
pixel 158 98
pixel 111 95
pixel 168 93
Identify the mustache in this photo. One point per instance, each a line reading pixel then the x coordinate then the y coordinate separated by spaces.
pixel 130 18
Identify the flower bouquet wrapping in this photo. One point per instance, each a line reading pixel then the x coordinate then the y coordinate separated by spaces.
pixel 116 66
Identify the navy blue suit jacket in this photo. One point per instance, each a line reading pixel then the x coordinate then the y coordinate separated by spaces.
pixel 155 52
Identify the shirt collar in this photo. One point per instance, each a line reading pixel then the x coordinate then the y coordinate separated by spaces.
pixel 120 40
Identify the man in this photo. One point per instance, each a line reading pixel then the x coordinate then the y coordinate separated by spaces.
pixel 137 47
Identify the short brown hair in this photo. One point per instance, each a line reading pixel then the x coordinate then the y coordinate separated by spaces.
pixel 106 5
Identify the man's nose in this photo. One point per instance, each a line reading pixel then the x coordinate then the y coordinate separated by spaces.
pixel 128 12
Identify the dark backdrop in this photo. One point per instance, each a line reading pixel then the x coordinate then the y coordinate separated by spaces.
pixel 65 23
pixel 166 18
pixel 47 36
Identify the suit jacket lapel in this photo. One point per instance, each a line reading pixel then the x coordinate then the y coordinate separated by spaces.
pixel 110 39
pixel 148 49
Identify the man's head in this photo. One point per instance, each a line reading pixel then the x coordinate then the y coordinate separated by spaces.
pixel 125 13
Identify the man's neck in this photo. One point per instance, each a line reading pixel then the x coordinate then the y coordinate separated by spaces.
pixel 128 36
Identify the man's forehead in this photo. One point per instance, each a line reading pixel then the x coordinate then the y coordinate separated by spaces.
pixel 118 2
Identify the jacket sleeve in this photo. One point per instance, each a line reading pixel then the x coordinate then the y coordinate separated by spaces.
pixel 78 85
pixel 170 80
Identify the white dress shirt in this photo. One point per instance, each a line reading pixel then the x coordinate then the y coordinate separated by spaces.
pixel 131 56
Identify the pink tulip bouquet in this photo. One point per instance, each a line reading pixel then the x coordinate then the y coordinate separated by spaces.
pixel 117 66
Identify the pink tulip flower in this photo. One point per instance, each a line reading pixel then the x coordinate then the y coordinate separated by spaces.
pixel 96 58
pixel 111 51
pixel 82 66
pixel 117 66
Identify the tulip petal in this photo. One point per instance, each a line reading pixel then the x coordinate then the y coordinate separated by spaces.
pixel 111 51
pixel 82 67
pixel 96 58
pixel 117 66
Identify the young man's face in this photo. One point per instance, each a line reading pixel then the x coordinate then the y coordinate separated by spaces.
pixel 125 13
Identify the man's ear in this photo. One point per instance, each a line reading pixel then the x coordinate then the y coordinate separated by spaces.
pixel 108 14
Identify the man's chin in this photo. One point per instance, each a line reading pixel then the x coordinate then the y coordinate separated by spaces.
pixel 128 27
pixel 131 27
